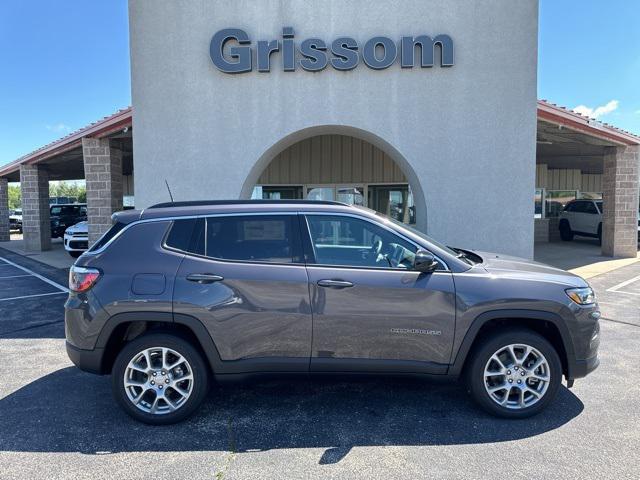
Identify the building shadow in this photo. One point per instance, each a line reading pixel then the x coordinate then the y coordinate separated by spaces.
pixel 71 411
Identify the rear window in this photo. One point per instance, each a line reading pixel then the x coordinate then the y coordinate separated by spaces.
pixel 179 236
pixel 253 238
pixel 112 232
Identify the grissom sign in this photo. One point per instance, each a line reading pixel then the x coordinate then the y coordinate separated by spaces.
pixel 377 53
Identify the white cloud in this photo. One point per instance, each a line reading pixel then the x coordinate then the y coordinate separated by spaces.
pixel 58 127
pixel 597 112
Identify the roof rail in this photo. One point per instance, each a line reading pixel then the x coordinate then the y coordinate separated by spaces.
pixel 199 203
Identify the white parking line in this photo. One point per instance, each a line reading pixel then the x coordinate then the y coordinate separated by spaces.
pixel 30 296
pixel 44 279
pixel 16 276
pixel 616 288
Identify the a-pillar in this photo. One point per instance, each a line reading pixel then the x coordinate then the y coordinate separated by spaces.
pixel 103 175
pixel 620 199
pixel 36 222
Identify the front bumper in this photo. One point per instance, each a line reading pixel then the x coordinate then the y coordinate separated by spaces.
pixel 75 243
pixel 87 360
pixel 582 368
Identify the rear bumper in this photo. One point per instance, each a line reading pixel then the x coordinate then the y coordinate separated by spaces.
pixel 87 360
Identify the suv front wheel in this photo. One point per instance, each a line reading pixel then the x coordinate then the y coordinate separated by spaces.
pixel 514 374
pixel 159 379
pixel 566 234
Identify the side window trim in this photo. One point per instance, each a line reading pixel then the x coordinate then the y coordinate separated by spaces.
pixel 443 264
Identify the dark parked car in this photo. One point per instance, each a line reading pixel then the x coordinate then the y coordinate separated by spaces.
pixel 63 216
pixel 15 220
pixel 180 293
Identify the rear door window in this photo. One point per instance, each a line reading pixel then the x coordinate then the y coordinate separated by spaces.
pixel 250 238
pixel 590 207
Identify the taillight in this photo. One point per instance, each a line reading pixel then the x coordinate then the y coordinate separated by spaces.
pixel 82 279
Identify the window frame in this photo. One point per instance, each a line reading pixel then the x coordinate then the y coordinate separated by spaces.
pixel 309 253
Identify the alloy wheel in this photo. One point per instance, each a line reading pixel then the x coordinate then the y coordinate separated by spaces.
pixel 517 376
pixel 158 380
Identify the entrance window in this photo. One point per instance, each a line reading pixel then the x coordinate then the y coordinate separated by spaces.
pixel 394 201
pixel 538 197
pixel 321 193
pixel 555 201
pixel 277 193
pixel 350 195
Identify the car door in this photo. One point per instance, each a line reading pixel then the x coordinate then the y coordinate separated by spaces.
pixel 580 219
pixel 371 311
pixel 244 279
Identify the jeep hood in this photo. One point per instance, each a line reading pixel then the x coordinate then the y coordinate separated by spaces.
pixel 516 267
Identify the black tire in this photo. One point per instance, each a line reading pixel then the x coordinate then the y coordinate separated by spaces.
pixel 198 366
pixel 599 234
pixel 490 345
pixel 75 254
pixel 566 234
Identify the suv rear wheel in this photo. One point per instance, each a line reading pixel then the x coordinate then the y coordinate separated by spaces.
pixel 159 379
pixel 514 374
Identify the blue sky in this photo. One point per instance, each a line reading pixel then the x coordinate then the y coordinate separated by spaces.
pixel 66 64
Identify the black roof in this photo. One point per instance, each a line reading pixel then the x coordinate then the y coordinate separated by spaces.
pixel 200 203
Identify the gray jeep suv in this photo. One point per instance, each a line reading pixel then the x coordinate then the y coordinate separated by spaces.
pixel 179 294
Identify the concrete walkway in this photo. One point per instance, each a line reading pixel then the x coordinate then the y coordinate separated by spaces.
pixel 581 256
pixel 56 257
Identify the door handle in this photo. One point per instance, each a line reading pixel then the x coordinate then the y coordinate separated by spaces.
pixel 334 283
pixel 204 277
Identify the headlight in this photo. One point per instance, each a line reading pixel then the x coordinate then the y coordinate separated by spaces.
pixel 582 296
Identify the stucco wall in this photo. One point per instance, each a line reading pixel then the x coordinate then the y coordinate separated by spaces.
pixel 466 133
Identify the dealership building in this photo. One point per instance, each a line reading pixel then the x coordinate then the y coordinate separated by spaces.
pixel 423 110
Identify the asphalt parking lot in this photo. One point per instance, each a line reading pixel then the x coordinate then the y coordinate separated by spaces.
pixel 57 422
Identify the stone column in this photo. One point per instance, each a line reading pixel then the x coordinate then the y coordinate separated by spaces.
pixel 36 223
pixel 620 197
pixel 103 175
pixel 4 210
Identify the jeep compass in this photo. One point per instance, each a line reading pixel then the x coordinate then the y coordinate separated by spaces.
pixel 183 293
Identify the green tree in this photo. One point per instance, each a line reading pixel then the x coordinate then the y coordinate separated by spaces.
pixel 14 197
pixel 68 189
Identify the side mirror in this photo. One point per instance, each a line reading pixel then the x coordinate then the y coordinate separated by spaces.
pixel 425 262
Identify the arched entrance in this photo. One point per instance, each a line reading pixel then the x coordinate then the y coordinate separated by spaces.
pixel 340 164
